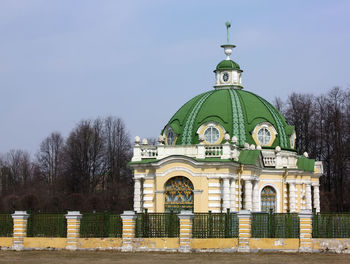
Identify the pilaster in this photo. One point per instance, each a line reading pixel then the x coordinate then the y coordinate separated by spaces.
pixel 226 194
pixel 317 197
pixel 186 221
pixel 292 202
pixel 73 229
pixel 137 195
pixel 308 197
pixel 244 230
pixel 305 244
pixel 255 196
pixel 248 195
pixel 20 219
pixel 233 195
pixel 128 222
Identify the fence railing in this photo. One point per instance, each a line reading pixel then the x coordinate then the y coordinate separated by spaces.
pixel 6 225
pixel 47 225
pixel 275 225
pixel 331 225
pixel 100 225
pixel 157 225
pixel 215 225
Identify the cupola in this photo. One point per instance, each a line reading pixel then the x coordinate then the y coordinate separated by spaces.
pixel 228 73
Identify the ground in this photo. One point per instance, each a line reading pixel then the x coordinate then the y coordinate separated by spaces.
pixel 106 257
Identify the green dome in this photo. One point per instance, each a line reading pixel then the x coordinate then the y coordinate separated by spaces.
pixel 227 65
pixel 237 111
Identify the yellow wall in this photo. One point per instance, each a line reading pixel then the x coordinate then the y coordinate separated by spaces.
pixel 44 242
pixel 157 243
pixel 214 243
pixel 6 241
pixel 274 243
pixel 99 243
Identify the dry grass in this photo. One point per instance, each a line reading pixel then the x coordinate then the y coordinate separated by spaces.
pixel 104 257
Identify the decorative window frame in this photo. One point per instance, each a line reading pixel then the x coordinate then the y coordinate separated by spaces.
pixel 270 128
pixel 165 135
pixel 229 81
pixel 278 197
pixel 292 140
pixel 207 125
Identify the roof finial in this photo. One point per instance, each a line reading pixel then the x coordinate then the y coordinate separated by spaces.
pixel 228 25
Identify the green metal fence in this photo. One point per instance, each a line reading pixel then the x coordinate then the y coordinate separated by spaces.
pixel 46 225
pixel 275 225
pixel 100 225
pixel 331 225
pixel 6 225
pixel 215 225
pixel 157 225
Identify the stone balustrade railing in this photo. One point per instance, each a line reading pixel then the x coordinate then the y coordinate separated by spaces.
pixel 273 158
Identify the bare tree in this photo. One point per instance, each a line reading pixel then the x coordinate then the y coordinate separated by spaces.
pixel 84 160
pixel 50 158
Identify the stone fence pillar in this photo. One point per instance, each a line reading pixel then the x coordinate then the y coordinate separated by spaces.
pixel 20 219
pixel 73 229
pixel 129 222
pixel 244 230
pixel 305 244
pixel 186 221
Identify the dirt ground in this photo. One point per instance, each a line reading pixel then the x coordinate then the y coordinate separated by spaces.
pixel 106 257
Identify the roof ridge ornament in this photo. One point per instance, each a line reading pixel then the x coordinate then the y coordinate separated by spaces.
pixel 228 47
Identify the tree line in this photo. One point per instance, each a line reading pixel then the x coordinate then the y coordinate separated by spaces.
pixel 322 125
pixel 86 171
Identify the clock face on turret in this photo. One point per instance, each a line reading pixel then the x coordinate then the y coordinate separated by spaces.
pixel 225 77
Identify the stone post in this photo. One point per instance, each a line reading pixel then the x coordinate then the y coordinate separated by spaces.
pixel 200 151
pixel 305 244
pixel 20 219
pixel 244 230
pixel 129 222
pixel 186 218
pixel 248 195
pixel 137 153
pixel 73 229
pixel 226 151
pixel 226 194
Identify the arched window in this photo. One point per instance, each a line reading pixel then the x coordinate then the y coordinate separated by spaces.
pixel 178 194
pixel 268 199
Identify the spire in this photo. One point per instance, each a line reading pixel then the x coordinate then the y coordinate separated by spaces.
pixel 228 47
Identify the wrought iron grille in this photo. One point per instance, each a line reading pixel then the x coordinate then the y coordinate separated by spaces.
pixel 6 225
pixel 331 225
pixel 275 225
pixel 215 225
pixel 157 225
pixel 100 225
pixel 46 225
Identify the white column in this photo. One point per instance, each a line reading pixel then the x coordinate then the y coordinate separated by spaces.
pixel 137 195
pixel 308 197
pixel 226 194
pixel 233 202
pixel 292 205
pixel 317 198
pixel 248 195
pixel 255 196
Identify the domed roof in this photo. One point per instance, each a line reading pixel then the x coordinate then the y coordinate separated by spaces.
pixel 237 111
pixel 227 65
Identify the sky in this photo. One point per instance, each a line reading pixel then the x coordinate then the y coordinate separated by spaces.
pixel 62 61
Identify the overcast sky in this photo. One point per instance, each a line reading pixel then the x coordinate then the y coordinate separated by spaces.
pixel 64 61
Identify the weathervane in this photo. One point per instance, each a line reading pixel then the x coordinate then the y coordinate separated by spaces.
pixel 228 25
